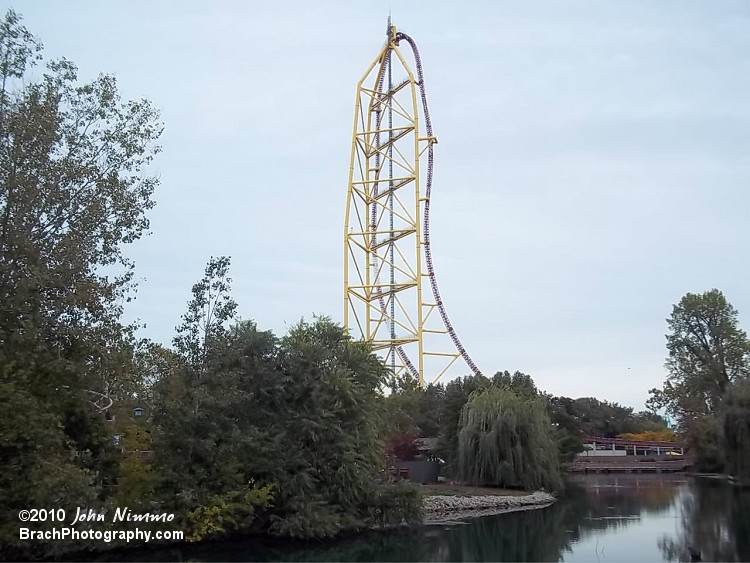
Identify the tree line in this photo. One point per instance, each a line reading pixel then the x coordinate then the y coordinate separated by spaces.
pixel 240 430
pixel 461 411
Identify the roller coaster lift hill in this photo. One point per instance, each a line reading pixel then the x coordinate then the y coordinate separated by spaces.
pixel 387 252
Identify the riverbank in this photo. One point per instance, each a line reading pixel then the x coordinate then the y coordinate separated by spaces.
pixel 444 508
pixel 595 506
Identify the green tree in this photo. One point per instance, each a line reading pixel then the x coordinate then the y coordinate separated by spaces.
pixel 518 382
pixel 506 440
pixel 73 192
pixel 568 431
pixel 457 393
pixel 602 418
pixel 298 416
pixel 411 410
pixel 204 325
pixel 428 415
pixel 331 397
pixel 401 408
pixel 708 353
pixel 193 401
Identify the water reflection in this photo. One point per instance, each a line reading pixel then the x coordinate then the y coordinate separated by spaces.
pixel 605 517
pixel 715 523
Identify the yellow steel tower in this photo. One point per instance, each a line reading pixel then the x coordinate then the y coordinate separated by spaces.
pixel 386 231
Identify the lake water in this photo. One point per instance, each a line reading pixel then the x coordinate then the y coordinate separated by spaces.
pixel 602 518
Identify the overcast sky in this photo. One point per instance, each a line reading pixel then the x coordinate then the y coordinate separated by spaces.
pixel 593 163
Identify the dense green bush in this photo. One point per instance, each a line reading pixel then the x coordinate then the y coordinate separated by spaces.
pixel 396 504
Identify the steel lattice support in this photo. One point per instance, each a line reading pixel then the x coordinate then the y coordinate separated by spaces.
pixel 386 231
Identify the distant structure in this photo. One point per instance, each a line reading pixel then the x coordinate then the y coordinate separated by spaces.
pixel 387 253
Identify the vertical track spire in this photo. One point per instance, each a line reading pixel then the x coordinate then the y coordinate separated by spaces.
pixel 387 249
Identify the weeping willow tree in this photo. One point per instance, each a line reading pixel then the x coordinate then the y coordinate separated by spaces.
pixel 505 440
pixel 736 427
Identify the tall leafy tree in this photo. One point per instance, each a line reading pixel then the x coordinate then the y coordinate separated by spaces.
pixel 191 393
pixel 708 353
pixel 73 192
pixel 506 439
pixel 428 417
pixel 518 382
pixel 603 418
pixel 411 409
pixel 211 308
pixel 332 387
pixel 568 431
pixel 457 394
pixel 401 408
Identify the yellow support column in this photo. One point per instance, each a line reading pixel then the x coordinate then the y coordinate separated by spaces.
pixel 385 228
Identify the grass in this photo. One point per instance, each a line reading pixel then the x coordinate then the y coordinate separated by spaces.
pixel 467 491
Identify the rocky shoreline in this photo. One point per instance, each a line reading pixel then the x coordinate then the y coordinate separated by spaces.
pixel 441 509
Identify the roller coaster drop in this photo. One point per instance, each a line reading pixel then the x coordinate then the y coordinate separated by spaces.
pixel 387 227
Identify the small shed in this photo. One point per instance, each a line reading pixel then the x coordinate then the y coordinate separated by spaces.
pixel 420 471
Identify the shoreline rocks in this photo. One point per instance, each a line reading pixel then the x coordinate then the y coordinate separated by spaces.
pixel 441 509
